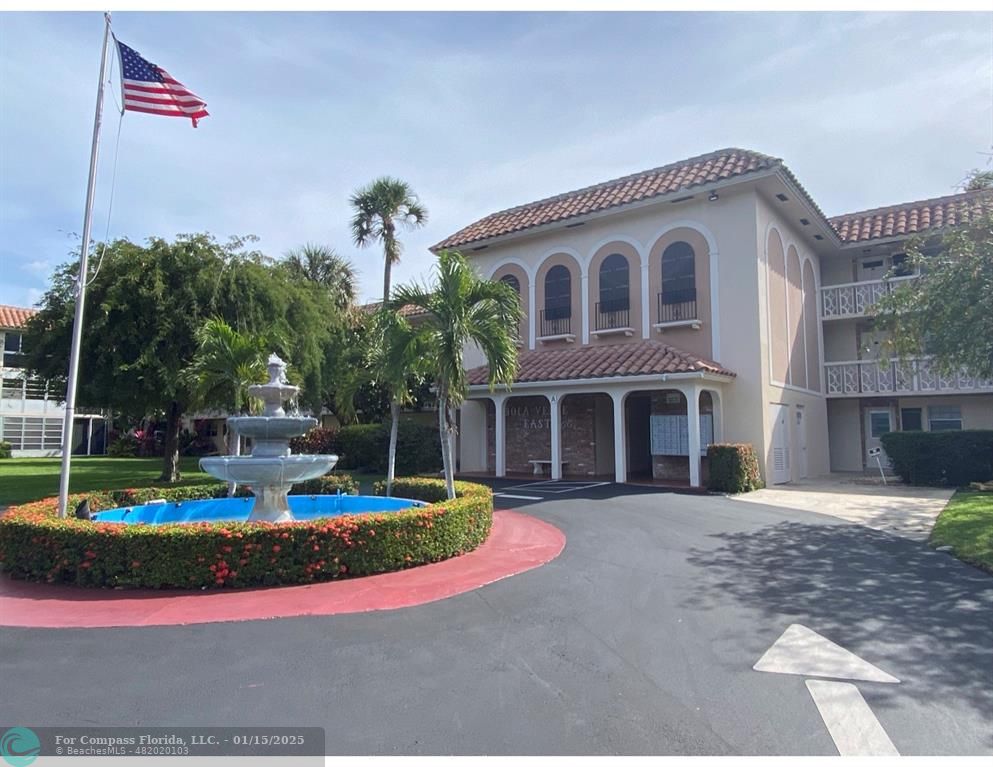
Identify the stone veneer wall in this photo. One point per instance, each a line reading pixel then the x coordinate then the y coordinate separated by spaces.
pixel 528 432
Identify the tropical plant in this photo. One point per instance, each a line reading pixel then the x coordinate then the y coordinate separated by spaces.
pixel 460 309
pixel 398 361
pixel 948 311
pixel 321 265
pixel 379 208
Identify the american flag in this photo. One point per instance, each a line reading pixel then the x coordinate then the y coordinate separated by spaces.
pixel 149 88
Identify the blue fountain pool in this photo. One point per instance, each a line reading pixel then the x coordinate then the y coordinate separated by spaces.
pixel 303 507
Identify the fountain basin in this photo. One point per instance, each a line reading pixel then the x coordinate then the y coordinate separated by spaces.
pixel 271 427
pixel 278 470
pixel 303 507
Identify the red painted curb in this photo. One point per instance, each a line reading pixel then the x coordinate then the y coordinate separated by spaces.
pixel 517 543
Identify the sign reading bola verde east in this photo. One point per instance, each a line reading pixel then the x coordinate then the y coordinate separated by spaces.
pixel 536 418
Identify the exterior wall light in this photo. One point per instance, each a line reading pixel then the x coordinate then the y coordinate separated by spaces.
pixel 713 197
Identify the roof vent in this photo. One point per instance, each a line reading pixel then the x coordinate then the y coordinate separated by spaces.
pixel 818 237
pixel 573 226
pixel 805 221
pixel 682 199
pixel 481 247
pixel 782 197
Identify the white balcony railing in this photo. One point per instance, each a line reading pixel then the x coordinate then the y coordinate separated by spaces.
pixel 852 299
pixel 910 376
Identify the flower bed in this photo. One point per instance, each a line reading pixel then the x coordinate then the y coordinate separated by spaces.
pixel 36 545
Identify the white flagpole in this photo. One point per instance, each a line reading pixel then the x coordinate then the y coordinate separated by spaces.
pixel 77 324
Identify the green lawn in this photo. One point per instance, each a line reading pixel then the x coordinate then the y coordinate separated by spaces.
pixel 28 479
pixel 966 524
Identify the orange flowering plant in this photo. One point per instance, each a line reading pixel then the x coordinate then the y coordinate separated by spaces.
pixel 36 545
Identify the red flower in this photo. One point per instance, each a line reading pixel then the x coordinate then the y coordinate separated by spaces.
pixel 276 547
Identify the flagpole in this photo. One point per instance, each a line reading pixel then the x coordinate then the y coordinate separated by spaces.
pixel 77 323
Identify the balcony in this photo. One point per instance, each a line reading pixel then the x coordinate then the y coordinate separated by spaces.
pixel 612 318
pixel 911 376
pixel 556 324
pixel 853 299
pixel 677 309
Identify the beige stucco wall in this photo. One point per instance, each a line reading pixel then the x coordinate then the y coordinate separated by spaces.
pixel 845 431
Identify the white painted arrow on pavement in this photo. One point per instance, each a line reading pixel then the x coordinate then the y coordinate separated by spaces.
pixel 849 720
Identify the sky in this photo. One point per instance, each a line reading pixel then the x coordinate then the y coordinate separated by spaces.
pixel 476 111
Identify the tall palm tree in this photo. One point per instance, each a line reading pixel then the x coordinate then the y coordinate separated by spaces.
pixel 380 208
pixel 226 363
pixel 397 359
pixel 461 309
pixel 321 264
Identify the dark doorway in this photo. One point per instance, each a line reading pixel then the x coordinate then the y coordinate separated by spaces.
pixel 638 414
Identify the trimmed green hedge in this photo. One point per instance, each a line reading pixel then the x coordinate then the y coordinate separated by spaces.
pixel 940 458
pixel 5 450
pixel 36 545
pixel 734 468
pixel 366 447
pixel 428 489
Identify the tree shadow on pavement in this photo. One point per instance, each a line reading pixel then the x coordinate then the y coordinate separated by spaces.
pixel 919 614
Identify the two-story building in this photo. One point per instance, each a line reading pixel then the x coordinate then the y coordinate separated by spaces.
pixel 706 300
pixel 31 416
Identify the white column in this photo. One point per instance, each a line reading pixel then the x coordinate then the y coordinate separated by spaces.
pixel 718 401
pixel 553 401
pixel 620 438
pixel 692 395
pixel 646 309
pixel 500 426
pixel 532 310
pixel 584 300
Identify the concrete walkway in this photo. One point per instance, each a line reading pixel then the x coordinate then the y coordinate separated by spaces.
pixel 899 509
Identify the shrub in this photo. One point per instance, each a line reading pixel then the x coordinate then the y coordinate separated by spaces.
pixel 317 441
pixel 5 450
pixel 36 545
pixel 125 446
pixel 366 447
pixel 733 468
pixel 329 484
pixel 939 458
pixel 430 489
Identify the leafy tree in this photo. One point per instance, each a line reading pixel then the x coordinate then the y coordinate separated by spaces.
pixel 948 311
pixel 397 361
pixel 461 309
pixel 145 306
pixel 977 179
pixel 379 208
pixel 323 266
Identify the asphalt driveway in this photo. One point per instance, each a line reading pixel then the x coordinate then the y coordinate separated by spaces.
pixel 639 639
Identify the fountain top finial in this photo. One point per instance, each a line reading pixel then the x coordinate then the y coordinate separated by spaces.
pixel 277 369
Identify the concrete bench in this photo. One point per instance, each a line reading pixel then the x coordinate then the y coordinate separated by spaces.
pixel 539 466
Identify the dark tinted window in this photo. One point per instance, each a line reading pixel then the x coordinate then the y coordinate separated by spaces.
pixel 558 293
pixel 614 283
pixel 678 274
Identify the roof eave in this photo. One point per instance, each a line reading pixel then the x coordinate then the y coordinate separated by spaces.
pixel 724 183
pixel 695 375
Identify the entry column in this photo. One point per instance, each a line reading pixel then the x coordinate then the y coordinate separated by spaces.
pixel 554 401
pixel 499 431
pixel 620 438
pixel 692 395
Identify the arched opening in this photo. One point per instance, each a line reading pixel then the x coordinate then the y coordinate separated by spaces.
pixel 677 301
pixel 613 310
pixel 556 317
pixel 587 424
pixel 515 284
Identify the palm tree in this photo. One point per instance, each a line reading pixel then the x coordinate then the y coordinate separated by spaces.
pixel 379 208
pixel 461 309
pixel 397 359
pixel 321 264
pixel 226 363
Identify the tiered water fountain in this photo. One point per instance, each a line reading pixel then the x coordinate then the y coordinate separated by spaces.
pixel 271 470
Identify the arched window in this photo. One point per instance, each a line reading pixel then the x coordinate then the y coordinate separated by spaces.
pixel 613 309
pixel 509 279
pixel 677 301
pixel 556 318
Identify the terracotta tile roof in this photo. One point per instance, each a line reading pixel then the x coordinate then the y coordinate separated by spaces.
pixel 406 311
pixel 912 217
pixel 641 358
pixel 682 175
pixel 15 316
